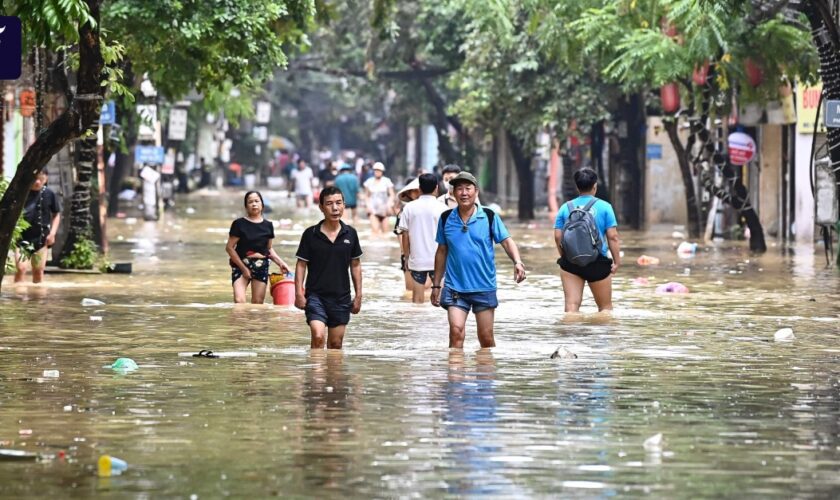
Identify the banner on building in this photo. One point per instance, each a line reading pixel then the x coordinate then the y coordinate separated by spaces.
pixel 263 114
pixel 177 124
pixel 807 102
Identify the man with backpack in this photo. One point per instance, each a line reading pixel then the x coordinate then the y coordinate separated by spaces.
pixel 583 229
pixel 466 236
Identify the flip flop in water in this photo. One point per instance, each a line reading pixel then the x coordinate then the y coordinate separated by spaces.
pixel 205 353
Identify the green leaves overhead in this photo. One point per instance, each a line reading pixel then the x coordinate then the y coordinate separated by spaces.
pixel 208 44
pixel 49 22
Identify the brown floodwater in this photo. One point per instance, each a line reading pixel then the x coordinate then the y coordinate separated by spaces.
pixel 396 413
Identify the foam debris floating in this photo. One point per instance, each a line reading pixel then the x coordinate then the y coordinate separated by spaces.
pixel 647 260
pixel 14 455
pixel 563 353
pixel 653 443
pixel 686 249
pixel 222 354
pixel 672 287
pixel 784 335
pixel 92 302
pixel 51 374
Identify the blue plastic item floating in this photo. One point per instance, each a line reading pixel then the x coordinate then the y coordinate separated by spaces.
pixel 123 365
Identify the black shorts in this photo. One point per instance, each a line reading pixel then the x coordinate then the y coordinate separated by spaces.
pixel 596 271
pixel 258 268
pixel 331 311
pixel 420 276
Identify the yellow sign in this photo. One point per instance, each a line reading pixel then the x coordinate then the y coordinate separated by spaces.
pixel 807 101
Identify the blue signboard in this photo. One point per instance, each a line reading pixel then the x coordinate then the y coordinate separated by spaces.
pixel 150 155
pixel 108 115
pixel 832 113
pixel 10 42
pixel 654 151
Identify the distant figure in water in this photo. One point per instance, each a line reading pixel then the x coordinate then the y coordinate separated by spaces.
pixel 249 248
pixel 42 210
pixel 326 251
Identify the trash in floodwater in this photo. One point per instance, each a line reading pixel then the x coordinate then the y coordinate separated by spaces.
pixel 96 318
pixel 653 443
pixel 123 365
pixel 677 235
pixel 14 455
pixel 672 287
pixel 647 260
pixel 110 466
pixel 686 249
pixel 784 335
pixel 25 432
pixel 92 302
pixel 51 374
pixel 563 353
pixel 206 353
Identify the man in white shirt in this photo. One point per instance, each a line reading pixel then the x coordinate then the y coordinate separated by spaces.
pixel 302 177
pixel 419 221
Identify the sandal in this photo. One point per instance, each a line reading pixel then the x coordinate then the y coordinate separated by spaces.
pixel 205 353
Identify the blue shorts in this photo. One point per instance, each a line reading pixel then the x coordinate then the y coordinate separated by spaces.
pixel 478 301
pixel 420 276
pixel 330 311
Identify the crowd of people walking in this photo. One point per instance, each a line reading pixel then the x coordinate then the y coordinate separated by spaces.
pixel 447 239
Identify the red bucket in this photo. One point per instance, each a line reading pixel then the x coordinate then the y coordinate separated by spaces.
pixel 283 292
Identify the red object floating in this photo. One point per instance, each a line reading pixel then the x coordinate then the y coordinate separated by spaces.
pixel 669 94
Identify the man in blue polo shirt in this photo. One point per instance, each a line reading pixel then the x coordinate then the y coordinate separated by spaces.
pixel 466 236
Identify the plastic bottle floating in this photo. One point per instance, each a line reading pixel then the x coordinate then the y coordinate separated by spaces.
pixel 108 466
pixel 123 365
pixel 672 287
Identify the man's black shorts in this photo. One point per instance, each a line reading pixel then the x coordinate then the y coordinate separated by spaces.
pixel 596 271
pixel 331 311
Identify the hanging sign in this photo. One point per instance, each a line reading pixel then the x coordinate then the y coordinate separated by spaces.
pixel 741 148
pixel 108 114
pixel 807 101
pixel 151 155
pixel 263 112
pixel 177 124
pixel 11 38
pixel 148 117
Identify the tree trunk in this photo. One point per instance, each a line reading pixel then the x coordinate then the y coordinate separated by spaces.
pixel 692 208
pixel 437 115
pixel 525 175
pixel 73 122
pixel 80 220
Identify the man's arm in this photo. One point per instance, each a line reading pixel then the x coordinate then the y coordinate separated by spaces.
pixel 300 275
pixel 614 243
pixel 440 267
pixel 356 274
pixel 513 252
pixel 53 229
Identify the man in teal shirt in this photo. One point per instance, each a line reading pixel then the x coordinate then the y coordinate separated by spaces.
pixel 348 183
pixel 466 237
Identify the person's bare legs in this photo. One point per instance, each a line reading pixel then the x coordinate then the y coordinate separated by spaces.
pixel 484 321
pixel 336 337
pixel 385 225
pixel 602 292
pixel 39 263
pixel 418 292
pixel 20 266
pixel 375 228
pixel 318 330
pixel 240 286
pixel 355 218
pixel 572 290
pixel 457 324
pixel 258 291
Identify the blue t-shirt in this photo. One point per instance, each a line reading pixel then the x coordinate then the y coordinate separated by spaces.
pixel 470 261
pixel 603 212
pixel 348 183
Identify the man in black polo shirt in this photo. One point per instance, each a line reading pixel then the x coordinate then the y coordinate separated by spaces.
pixel 326 251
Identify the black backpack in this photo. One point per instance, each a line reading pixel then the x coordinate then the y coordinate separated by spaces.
pixel 581 240
pixel 491 217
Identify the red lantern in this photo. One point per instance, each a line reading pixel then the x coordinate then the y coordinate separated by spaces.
pixel 755 75
pixel 701 74
pixel 669 94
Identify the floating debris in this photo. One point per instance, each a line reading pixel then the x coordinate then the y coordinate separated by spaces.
pixel 563 353
pixel 92 302
pixel 784 335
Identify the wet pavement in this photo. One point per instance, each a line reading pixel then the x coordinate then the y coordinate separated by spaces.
pixel 397 414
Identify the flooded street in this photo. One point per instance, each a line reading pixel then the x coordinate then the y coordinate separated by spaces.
pixel 397 414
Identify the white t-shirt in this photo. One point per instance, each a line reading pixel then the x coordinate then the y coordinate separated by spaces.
pixel 420 218
pixel 378 189
pixel 303 181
